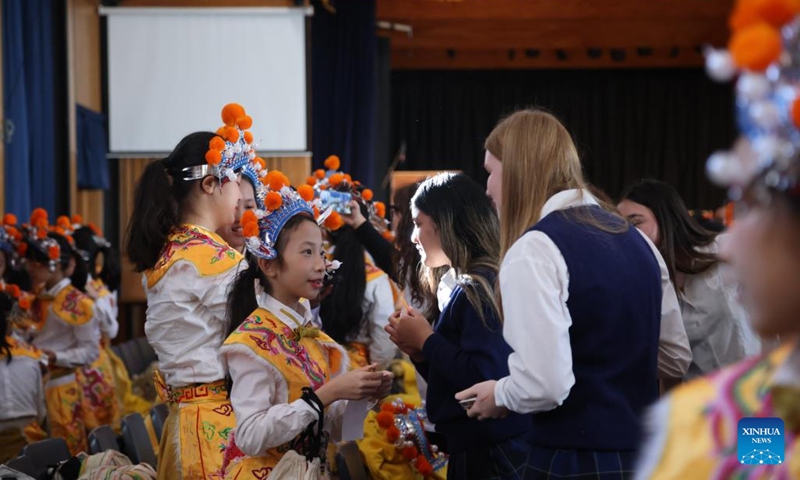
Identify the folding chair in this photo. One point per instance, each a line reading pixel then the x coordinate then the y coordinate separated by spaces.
pixel 136 441
pixel 22 464
pixel 46 453
pixel 349 464
pixel 103 438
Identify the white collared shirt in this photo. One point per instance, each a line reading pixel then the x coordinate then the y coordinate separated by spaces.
pixel 74 345
pixel 260 394
pixel 534 283
pixel 717 325
pixel 186 323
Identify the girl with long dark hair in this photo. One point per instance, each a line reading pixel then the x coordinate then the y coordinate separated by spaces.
pixel 717 326
pixel 456 229
pixel 288 378
pixel 179 204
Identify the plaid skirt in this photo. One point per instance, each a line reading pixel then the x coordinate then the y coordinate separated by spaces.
pixel 547 463
pixel 506 460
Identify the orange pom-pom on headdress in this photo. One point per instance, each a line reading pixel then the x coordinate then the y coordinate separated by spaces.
pixel 380 209
pixel 244 122
pixel 273 201
pixel 336 179
pixel 367 194
pixel 423 466
pixel 37 215
pixel 248 137
pixel 41 233
pixel 77 218
pixel 410 453
pixel 249 223
pixel 64 222
pixel 775 12
pixel 311 181
pixel 385 419
pixel 334 221
pixel 756 47
pixel 22 248
pixel 231 134
pixel 306 192
pixel 275 180
pixel 54 252
pixel 231 114
pixel 260 162
pixel 216 143
pixel 9 219
pixel 319 173
pixel 392 434
pixel 213 157
pixel 332 163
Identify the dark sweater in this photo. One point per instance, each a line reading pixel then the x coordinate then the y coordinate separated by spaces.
pixel 462 352
pixel 378 247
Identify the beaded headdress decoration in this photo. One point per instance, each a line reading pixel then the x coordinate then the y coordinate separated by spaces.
pixel 230 150
pixel 764 51
pixel 37 238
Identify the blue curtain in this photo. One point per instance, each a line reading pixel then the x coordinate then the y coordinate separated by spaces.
pixel 92 147
pixel 29 103
pixel 343 79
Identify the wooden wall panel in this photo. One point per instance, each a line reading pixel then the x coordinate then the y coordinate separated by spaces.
pixel 130 169
pixel 85 75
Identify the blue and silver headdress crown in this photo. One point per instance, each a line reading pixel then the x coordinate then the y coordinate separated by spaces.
pixel 764 51
pixel 262 226
pixel 230 150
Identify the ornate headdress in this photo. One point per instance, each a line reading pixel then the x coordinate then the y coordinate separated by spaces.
pixel 10 236
pixel 230 150
pixel 335 179
pixel 764 50
pixel 404 426
pixel 36 237
pixel 262 226
pixel 21 309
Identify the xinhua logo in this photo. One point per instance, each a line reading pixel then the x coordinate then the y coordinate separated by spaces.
pixel 760 441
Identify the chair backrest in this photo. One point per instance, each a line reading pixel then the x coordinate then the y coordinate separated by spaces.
pixel 103 438
pixel 158 414
pixel 349 464
pixel 46 453
pixel 22 464
pixel 136 441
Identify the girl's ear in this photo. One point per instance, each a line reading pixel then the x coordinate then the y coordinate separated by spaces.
pixel 208 184
pixel 269 267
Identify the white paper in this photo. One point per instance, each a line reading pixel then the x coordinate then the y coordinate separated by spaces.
pixel 353 422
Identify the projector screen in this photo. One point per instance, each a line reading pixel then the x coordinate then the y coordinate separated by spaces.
pixel 171 70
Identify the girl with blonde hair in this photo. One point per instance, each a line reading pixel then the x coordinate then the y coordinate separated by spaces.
pixel 583 296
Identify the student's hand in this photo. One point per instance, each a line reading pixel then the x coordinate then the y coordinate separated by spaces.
pixel 484 407
pixel 386 386
pixel 51 356
pixel 358 384
pixel 354 219
pixel 409 330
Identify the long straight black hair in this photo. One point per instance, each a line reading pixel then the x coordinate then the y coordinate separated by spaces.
pixel 342 312
pixel 158 198
pixel 680 236
pixel 469 231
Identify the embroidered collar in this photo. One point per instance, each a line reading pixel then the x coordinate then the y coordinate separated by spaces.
pixel 301 322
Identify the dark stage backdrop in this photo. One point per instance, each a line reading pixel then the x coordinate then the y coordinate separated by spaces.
pixel 627 124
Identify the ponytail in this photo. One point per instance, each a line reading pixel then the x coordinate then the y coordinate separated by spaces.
pixel 158 198
pixel 154 215
pixel 81 273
